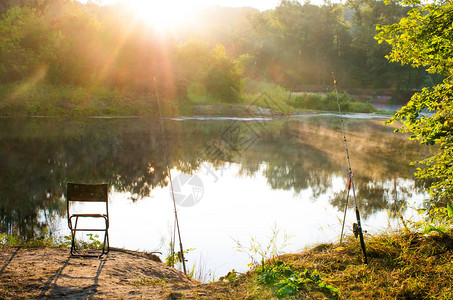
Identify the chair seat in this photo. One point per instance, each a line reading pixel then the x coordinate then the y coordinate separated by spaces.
pixel 89 215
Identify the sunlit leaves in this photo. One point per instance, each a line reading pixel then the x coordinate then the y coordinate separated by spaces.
pixel 210 71
pixel 425 38
pixel 24 43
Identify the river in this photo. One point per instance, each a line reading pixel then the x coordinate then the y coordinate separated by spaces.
pixel 237 180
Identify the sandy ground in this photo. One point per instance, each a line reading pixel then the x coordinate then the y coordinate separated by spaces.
pixel 53 274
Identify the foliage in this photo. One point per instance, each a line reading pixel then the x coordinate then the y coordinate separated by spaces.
pixel 437 219
pixel 67 100
pixel 60 43
pixel 259 252
pixel 44 240
pixel 175 258
pixel 287 282
pixel 268 95
pixel 172 257
pixel 230 276
pixel 208 75
pixel 24 41
pixel 424 38
pixel 277 98
pixel 48 240
pixel 92 242
pixel 328 102
pixel 223 79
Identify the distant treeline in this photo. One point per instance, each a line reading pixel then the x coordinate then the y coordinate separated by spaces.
pixel 298 46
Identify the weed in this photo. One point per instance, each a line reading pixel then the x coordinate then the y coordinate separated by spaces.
pixel 260 252
pixel 287 282
pixel 175 259
pixel 328 102
pixel 230 277
pixel 437 219
pixel 44 240
pixel 93 241
pixel 143 281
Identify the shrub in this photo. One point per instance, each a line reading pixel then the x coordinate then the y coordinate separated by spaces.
pixel 328 102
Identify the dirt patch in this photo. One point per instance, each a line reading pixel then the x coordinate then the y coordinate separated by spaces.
pixel 53 274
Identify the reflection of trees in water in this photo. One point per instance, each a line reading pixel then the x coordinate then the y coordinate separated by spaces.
pixel 29 181
pixel 39 156
pixel 379 158
pixel 292 167
pixel 373 196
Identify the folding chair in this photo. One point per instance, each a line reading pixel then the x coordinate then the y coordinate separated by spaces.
pixel 88 193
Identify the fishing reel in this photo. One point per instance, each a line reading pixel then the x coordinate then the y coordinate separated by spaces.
pixel 180 257
pixel 355 230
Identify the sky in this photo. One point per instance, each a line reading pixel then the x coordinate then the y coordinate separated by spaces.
pixel 166 15
pixel 259 4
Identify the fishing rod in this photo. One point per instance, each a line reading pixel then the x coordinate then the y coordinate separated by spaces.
pixel 345 210
pixel 181 252
pixel 357 228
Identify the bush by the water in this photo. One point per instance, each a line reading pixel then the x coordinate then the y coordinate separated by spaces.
pixel 67 100
pixel 268 95
pixel 328 102
pixel 278 98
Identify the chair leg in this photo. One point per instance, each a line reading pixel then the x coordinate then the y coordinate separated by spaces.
pixel 106 238
pixel 106 242
pixel 74 250
pixel 73 234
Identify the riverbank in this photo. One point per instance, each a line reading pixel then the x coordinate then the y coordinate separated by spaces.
pixel 401 266
pixel 50 273
pixel 73 101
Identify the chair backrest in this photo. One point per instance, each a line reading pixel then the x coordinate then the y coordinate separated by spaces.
pixel 87 192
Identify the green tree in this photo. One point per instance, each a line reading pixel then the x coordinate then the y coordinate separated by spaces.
pixel 299 44
pixel 366 57
pixel 78 59
pixel 424 38
pixel 223 80
pixel 206 73
pixel 24 42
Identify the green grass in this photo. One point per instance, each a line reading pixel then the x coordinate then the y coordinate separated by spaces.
pixel 328 102
pixel 268 95
pixel 56 100
pixel 273 96
pixel 48 241
pixel 21 99
pixel 7 241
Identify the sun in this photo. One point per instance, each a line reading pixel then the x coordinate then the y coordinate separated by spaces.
pixel 162 15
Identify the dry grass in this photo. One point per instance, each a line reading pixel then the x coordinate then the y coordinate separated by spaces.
pixel 401 266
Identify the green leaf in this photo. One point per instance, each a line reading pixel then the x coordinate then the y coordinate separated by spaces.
pixel 450 211
pixel 430 228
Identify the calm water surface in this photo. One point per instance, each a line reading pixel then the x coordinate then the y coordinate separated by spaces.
pixel 235 179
